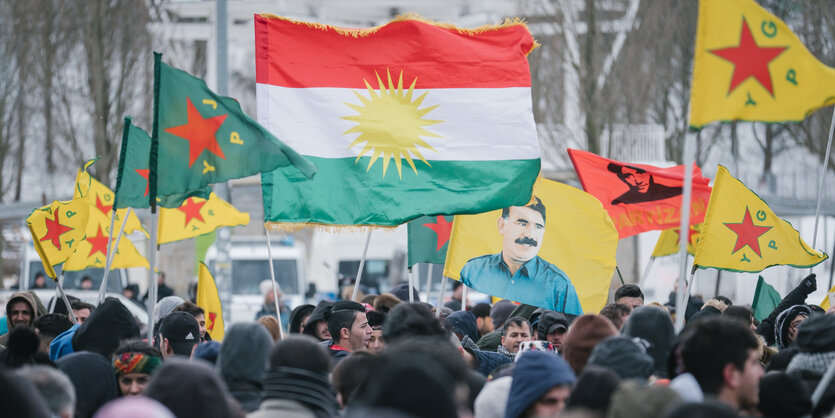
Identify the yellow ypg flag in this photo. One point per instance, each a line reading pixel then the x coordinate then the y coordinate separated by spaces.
pixel 92 252
pixel 196 217
pixel 825 302
pixel 58 231
pixel 100 197
pixel 209 300
pixel 748 65
pixel 669 240
pixel 558 252
pixel 741 233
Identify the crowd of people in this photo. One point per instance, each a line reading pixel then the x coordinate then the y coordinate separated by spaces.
pixel 383 356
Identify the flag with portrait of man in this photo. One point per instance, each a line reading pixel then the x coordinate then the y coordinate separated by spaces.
pixel 557 252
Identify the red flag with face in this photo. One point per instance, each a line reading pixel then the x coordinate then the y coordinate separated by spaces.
pixel 640 197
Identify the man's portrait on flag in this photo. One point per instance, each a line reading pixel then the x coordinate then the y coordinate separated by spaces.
pixel 556 252
pixel 642 186
pixel 518 272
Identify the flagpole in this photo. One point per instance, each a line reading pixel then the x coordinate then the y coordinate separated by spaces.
pixel 429 271
pixel 820 184
pixel 362 264
pixel 58 295
pixel 684 225
pixel 111 253
pixel 152 280
pixel 108 256
pixel 440 304
pixel 464 297
pixel 647 269
pixel 411 282
pixel 60 288
pixel 275 285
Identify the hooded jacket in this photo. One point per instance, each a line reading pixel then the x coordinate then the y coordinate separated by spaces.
pixel 106 327
pixel 243 360
pixel 317 315
pixel 464 323
pixel 32 300
pixel 534 374
pixel 654 325
pixel 93 378
pixel 784 320
pixel 189 389
pixel 796 297
pixel 625 357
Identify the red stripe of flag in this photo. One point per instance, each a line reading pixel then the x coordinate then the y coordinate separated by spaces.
pixel 294 54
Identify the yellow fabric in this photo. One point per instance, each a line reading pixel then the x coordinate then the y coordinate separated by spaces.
pixel 209 300
pixel 175 225
pixel 100 197
pixel 772 241
pixel 800 83
pixel 580 239
pixel 668 241
pixel 58 231
pixel 825 302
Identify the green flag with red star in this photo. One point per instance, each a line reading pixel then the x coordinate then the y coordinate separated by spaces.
pixel 429 239
pixel 200 138
pixel 132 186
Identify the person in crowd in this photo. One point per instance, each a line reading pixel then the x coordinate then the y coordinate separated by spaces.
pixel 178 334
pixel 208 351
pixel 454 303
pixel 464 325
pixel 654 325
pixel 199 315
pixel 617 313
pixel 50 326
pixel 316 325
pixel 484 321
pixel 742 314
pixel 134 407
pixel 298 317
pixel 411 320
pixel 21 311
pixel 492 400
pixel 131 292
pixel 164 308
pixel 541 386
pixel 623 355
pixel 784 395
pixel 483 362
pixel 243 360
pixel 386 302
pixel 268 307
pixel 135 362
pixel 190 389
pixel 296 384
pixel 713 307
pixel 585 332
pixel 815 345
pixel 82 310
pixel 785 328
pixel 348 325
pixel 40 281
pixel 630 295
pixel 797 296
pixel 86 283
pixel 722 355
pixel 634 398
pixel 54 386
pixel 552 328
pixel 108 325
pixel 92 377
pixel 351 373
pixel 515 331
pixel 401 292
pixel 271 325
pixel 498 314
pixel 593 390
pixel 19 398
pixel 22 349
pixel 376 344
pixel 163 291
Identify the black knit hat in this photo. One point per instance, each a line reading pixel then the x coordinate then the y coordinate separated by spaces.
pixel 783 395
pixel 816 334
pixel 375 319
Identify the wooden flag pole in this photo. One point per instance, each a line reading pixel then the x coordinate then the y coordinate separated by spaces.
pixel 362 264
pixel 153 285
pixel 684 213
pixel 111 253
pixel 440 304
pixel 275 285
pixel 60 288
pixel 429 272
pixel 820 184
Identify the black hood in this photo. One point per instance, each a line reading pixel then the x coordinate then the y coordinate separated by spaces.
pixel 109 324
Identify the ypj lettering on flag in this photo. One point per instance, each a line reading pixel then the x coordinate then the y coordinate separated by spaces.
pixel 407 119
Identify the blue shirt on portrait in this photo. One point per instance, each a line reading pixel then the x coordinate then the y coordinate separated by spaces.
pixel 537 282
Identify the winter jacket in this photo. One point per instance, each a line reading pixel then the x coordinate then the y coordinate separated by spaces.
pixel 487 361
pixel 32 300
pixel 243 360
pixel 796 297
pixel 653 325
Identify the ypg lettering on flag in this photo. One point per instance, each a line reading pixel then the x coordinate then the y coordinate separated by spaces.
pixel 748 235
pixel 54 229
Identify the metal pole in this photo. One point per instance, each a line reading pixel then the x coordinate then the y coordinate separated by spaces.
pixel 108 257
pixel 275 285
pixel 111 253
pixel 820 184
pixel 823 384
pixel 152 279
pixel 464 297
pixel 684 225
pixel 411 284
pixel 440 304
pixel 60 288
pixel 429 272
pixel 362 264
pixel 647 269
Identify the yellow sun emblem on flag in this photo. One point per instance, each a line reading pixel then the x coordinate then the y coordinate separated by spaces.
pixel 391 124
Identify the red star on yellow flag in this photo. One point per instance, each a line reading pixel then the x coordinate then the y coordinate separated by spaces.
pixel 102 207
pixel 199 132
pixel 747 233
pixel 98 243
pixel 749 60
pixel 192 210
pixel 442 228
pixel 54 230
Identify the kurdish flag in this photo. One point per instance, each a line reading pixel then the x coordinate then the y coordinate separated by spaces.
pixel 208 299
pixel 766 298
pixel 669 240
pixel 429 239
pixel 406 119
pixel 197 217
pixel 132 185
pixel 748 65
pixel 57 231
pixel 204 138
pixel 741 233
